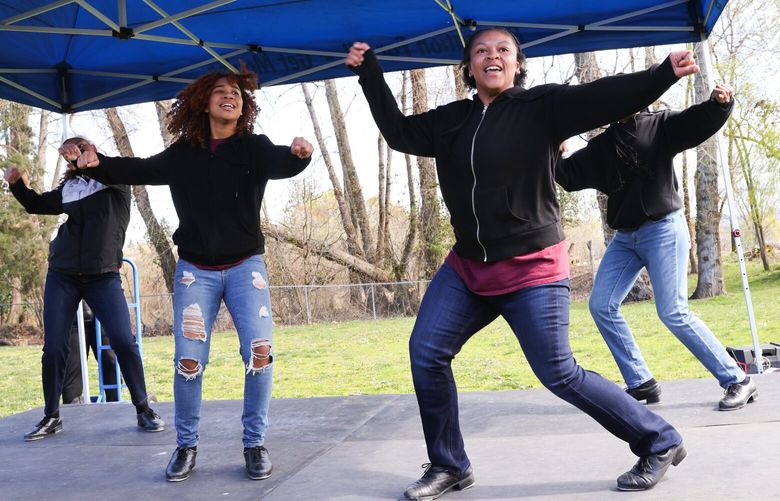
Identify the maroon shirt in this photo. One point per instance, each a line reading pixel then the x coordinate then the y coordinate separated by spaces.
pixel 548 265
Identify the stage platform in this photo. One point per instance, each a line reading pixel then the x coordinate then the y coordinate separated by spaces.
pixel 523 445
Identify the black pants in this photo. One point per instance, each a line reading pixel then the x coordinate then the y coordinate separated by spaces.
pixel 104 294
pixel 71 388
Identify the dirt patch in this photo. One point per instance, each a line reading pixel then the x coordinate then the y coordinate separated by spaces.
pixel 20 335
pixel 580 286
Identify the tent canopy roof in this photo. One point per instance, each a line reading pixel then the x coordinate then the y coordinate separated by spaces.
pixel 77 55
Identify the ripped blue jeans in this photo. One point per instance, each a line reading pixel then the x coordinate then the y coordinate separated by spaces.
pixel 197 297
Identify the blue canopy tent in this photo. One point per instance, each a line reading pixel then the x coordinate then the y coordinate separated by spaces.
pixel 77 55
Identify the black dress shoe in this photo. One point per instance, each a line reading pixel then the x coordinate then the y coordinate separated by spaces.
pixel 650 391
pixel 258 463
pixel 47 426
pixel 181 464
pixel 436 481
pixel 649 470
pixel 738 395
pixel 150 421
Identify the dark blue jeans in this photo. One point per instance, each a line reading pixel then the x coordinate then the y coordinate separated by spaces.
pixel 539 316
pixel 104 295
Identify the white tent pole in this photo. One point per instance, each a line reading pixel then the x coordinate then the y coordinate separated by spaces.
pixel 83 355
pixel 80 311
pixel 708 75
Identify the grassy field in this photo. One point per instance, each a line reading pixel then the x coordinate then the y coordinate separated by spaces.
pixel 369 357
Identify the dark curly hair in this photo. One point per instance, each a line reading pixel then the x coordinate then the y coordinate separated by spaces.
pixel 187 121
pixel 470 82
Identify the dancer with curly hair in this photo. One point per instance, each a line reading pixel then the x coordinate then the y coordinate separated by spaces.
pixel 217 171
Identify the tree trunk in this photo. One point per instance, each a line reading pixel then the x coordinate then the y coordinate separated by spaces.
pixel 156 233
pixel 353 263
pixel 163 108
pixel 346 222
pixel 40 155
pixel 430 222
pixel 687 195
pixel 351 181
pixel 411 235
pixel 381 227
pixel 461 91
pixel 710 278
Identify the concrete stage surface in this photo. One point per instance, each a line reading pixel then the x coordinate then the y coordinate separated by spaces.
pixel 522 444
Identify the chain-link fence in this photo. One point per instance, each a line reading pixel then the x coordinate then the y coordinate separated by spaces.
pixel 292 305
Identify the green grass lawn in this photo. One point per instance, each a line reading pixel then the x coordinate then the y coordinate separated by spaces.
pixel 367 357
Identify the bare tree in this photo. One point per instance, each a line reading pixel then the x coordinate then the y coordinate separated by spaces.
pixel 710 277
pixel 430 210
pixel 353 189
pixel 353 246
pixel 686 192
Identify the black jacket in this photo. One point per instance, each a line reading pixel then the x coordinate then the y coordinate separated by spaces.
pixel 217 196
pixel 632 161
pixel 496 163
pixel 90 241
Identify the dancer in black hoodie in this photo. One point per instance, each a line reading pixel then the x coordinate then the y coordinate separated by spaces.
pixel 632 163
pixel 495 158
pixel 84 262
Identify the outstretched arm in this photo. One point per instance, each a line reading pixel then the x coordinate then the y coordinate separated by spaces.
pixel 412 134
pixel 579 108
pixel 49 202
pixel 283 161
pixel 581 170
pixel 118 170
pixel 694 125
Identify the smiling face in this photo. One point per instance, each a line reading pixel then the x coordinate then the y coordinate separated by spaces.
pixel 494 63
pixel 225 102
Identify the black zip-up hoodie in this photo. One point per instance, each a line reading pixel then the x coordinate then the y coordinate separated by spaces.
pixel 633 161
pixel 217 196
pixel 90 241
pixel 496 163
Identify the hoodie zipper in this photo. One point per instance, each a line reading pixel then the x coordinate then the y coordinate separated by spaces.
pixel 474 186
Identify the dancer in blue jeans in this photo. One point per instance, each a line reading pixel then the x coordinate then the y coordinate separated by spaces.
pixel 84 262
pixel 632 162
pixel 217 171
pixel 495 159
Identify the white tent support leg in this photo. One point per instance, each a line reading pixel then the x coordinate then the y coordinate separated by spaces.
pixel 83 355
pixel 80 312
pixel 708 74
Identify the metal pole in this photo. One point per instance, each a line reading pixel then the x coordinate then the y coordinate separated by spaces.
pixel 83 355
pixel 373 301
pixel 709 80
pixel 306 299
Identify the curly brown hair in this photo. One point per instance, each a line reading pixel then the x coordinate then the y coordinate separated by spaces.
pixel 187 120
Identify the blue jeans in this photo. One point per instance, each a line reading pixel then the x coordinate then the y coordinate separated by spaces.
pixel 661 247
pixel 539 316
pixel 105 296
pixel 197 297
